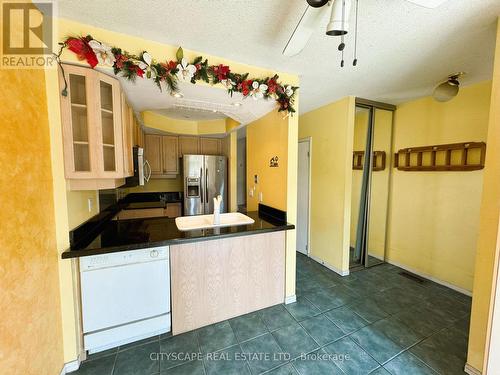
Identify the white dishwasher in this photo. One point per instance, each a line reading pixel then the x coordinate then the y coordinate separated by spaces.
pixel 125 297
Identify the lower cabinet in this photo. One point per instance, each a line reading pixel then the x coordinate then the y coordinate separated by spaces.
pixel 220 279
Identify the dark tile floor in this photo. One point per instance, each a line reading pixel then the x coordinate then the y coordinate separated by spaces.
pixel 374 321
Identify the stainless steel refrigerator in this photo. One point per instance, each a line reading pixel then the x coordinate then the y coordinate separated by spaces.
pixel 205 177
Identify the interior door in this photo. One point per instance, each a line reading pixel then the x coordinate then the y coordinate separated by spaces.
pixel 303 197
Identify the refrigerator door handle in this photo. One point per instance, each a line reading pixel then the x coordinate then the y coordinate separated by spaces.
pixel 201 185
pixel 206 189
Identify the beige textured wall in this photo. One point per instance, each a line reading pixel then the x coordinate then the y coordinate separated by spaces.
pixel 30 324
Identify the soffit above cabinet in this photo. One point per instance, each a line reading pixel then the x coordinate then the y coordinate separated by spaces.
pixel 200 101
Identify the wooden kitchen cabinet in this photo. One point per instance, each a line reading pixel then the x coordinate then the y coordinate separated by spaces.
pixel 210 146
pixel 189 145
pixel 162 154
pixel 91 116
pixel 173 210
pixel 128 137
pixel 170 155
pixel 152 152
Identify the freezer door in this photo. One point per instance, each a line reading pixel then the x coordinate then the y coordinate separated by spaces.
pixel 193 184
pixel 215 182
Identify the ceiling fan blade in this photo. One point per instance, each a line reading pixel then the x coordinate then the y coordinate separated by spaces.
pixel 428 3
pixel 309 22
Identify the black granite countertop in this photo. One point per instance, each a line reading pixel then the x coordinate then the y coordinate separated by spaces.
pixel 125 235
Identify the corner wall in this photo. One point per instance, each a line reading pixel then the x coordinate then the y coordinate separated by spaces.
pixel 30 327
pixel 267 138
pixel 434 216
pixel 487 254
pixel 331 128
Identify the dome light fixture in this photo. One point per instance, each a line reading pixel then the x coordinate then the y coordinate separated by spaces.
pixel 178 95
pixel 448 89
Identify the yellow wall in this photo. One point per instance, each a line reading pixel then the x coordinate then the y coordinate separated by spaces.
pixel 434 216
pixel 61 202
pixel 177 126
pixel 30 325
pixel 487 244
pixel 331 128
pixel 266 138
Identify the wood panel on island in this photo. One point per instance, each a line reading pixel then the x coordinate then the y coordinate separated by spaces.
pixel 464 156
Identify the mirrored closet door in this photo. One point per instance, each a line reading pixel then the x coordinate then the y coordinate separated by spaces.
pixel 371 172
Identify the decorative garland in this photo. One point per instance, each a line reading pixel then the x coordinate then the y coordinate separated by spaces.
pixel 171 72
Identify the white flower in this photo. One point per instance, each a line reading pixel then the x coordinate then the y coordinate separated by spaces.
pixel 288 91
pixel 186 70
pixel 258 90
pixel 103 53
pixel 228 83
pixel 146 57
pixel 145 64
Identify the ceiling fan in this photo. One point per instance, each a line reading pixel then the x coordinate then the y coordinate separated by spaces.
pixel 316 13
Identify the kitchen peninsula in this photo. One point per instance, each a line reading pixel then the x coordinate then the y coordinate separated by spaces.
pixel 215 274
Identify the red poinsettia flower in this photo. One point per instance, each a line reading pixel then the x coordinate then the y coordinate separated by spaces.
pixel 272 85
pixel 80 46
pixel 221 71
pixel 198 67
pixel 119 60
pixel 245 87
pixel 284 103
pixel 169 65
pixel 139 71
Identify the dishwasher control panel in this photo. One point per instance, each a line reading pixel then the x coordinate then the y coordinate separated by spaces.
pixel 123 257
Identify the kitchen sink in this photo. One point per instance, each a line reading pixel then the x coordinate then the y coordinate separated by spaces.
pixel 185 223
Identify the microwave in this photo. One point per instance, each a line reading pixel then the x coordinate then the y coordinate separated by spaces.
pixel 142 169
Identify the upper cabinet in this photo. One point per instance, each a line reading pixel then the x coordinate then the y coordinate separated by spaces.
pixel 170 155
pixel 162 154
pixel 128 137
pixel 210 146
pixel 189 145
pixel 96 130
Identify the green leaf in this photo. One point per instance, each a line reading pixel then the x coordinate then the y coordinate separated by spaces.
pixel 180 54
pixel 197 60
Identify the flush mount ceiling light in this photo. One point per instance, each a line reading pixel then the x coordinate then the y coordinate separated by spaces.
pixel 178 95
pixel 237 104
pixel 448 89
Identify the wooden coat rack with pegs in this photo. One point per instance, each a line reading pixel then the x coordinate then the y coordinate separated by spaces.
pixel 467 156
pixel 379 159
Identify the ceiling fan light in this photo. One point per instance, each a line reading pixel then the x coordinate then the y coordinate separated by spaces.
pixel 446 91
pixel 317 3
pixel 339 25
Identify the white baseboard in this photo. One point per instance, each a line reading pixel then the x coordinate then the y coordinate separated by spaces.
pixel 421 274
pixel 329 266
pixel 290 299
pixel 471 370
pixel 71 366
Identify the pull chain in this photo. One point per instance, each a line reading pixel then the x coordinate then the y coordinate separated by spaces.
pixel 355 61
pixel 342 44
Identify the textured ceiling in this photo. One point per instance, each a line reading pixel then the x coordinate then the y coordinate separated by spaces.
pixel 404 49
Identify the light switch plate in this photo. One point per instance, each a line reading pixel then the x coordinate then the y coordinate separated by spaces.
pixel 90 204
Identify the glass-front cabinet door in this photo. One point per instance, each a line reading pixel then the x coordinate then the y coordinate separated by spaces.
pixel 110 141
pixel 78 129
pixel 91 125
